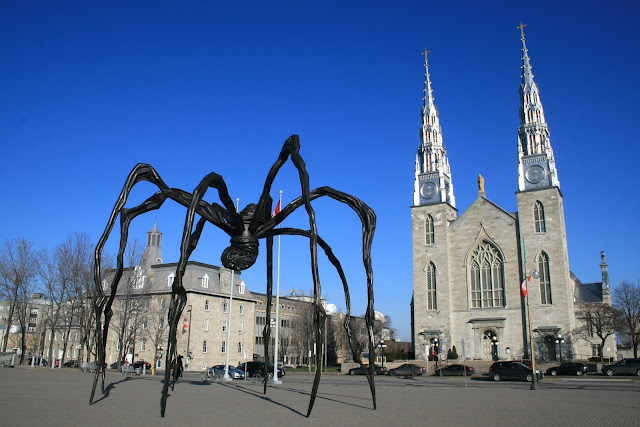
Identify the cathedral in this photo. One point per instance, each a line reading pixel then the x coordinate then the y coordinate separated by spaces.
pixel 470 269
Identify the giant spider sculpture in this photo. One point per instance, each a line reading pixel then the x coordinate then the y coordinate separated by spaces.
pixel 245 228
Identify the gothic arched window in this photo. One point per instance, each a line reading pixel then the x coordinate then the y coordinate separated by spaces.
pixel 538 217
pixel 430 235
pixel 545 278
pixel 487 277
pixel 432 301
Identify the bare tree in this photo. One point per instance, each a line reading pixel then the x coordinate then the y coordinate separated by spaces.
pixel 302 332
pixel 626 299
pixel 598 320
pixel 126 308
pixel 18 268
pixel 156 328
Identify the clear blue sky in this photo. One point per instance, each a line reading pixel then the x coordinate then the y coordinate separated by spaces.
pixel 89 89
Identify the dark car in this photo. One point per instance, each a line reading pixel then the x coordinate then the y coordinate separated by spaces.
pixel 408 369
pixel 512 371
pixel 71 364
pixel 253 368
pixel 568 368
pixel 460 370
pixel 623 367
pixel 377 370
pixel 139 364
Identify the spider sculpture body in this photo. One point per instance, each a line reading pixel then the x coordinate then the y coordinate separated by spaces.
pixel 245 229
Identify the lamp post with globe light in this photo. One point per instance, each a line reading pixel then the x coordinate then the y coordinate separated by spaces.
pixel 560 341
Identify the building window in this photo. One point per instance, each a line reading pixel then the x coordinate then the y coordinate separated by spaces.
pixel 224 326
pixel 432 302
pixel 206 324
pixel 170 279
pixel 204 346
pixel 225 307
pixel 241 327
pixel 241 309
pixel 143 344
pixel 545 278
pixel 144 323
pixel 224 346
pixel 205 281
pixel 240 347
pixel 206 305
pixel 538 217
pixel 242 288
pixel 487 277
pixel 138 280
pixel 162 304
pixel 430 235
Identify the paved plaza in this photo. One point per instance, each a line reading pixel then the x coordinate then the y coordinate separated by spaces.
pixel 40 396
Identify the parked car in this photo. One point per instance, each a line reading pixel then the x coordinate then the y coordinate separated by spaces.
pixel 512 370
pixel 378 370
pixel 407 369
pixel 568 368
pixel 39 361
pixel 623 367
pixel 114 365
pixel 460 370
pixel 71 364
pixel 254 367
pixel 140 364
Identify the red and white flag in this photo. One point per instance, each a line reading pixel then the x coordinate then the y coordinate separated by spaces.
pixel 277 210
pixel 523 288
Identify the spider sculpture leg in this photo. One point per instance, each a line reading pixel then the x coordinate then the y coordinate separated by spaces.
pixel 368 220
pixel 142 172
pixel 291 149
pixel 189 243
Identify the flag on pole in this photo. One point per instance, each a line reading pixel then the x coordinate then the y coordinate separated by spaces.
pixel 523 287
pixel 277 210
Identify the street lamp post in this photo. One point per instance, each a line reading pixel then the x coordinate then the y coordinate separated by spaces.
pixel 436 349
pixel 494 347
pixel 382 345
pixel 560 341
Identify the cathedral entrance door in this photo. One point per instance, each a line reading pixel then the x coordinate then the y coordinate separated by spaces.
pixel 550 347
pixel 489 345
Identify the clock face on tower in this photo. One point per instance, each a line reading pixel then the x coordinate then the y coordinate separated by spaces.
pixel 428 190
pixel 535 174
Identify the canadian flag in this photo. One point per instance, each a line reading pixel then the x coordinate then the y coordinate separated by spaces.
pixel 277 209
pixel 184 325
pixel 523 287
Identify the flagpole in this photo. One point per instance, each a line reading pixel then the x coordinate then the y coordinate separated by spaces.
pixel 525 286
pixel 228 345
pixel 275 351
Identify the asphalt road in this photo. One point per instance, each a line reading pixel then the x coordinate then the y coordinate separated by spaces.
pixel 30 396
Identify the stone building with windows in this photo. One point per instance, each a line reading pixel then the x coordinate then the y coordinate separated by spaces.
pixel 139 322
pixel 468 267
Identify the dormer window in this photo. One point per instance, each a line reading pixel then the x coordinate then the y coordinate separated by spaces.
pixel 205 281
pixel 138 280
pixel 170 279
pixel 242 288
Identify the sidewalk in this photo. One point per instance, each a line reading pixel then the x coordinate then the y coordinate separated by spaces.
pixel 61 397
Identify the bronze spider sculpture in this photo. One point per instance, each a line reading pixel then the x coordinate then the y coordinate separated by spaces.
pixel 245 228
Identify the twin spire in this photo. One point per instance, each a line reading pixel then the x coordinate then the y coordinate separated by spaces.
pixel 433 173
pixel 536 163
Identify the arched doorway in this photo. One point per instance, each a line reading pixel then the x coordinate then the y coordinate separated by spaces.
pixel 550 347
pixel 490 345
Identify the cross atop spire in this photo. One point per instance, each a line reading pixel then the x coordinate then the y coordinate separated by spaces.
pixel 425 53
pixel 521 26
